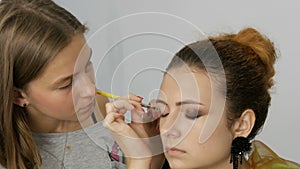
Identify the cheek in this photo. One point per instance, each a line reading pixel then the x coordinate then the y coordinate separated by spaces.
pixel 218 145
pixel 164 124
pixel 218 141
pixel 195 132
pixel 52 103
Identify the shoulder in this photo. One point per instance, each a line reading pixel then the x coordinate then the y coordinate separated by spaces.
pixel 263 157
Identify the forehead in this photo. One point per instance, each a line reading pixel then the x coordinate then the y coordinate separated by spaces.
pixel 69 54
pixel 64 62
pixel 184 84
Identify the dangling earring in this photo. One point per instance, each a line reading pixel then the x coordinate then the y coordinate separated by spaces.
pixel 239 146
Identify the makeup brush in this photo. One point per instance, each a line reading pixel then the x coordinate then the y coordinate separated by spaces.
pixel 112 96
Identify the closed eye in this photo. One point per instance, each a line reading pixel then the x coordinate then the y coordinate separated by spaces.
pixel 193 116
pixel 66 86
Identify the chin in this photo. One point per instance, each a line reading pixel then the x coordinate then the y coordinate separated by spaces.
pixel 177 164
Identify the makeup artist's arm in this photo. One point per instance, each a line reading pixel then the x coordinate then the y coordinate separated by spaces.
pixel 150 130
pixel 137 151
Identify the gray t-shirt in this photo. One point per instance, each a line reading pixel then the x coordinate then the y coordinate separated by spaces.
pixel 89 148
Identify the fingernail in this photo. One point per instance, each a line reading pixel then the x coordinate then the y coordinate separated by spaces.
pixel 133 106
pixel 141 98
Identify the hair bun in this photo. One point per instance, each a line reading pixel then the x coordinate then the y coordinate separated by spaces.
pixel 259 43
pixel 262 46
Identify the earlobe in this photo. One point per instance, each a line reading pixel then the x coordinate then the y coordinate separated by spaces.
pixel 243 126
pixel 19 98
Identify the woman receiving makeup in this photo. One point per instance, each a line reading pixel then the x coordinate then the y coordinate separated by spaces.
pixel 213 100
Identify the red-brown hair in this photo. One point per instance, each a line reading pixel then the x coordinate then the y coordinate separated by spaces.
pixel 247 59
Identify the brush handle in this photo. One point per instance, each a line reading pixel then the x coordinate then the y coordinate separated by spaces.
pixel 109 95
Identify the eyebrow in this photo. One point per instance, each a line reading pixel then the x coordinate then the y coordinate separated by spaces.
pixel 70 77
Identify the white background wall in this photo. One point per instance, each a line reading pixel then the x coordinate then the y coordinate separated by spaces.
pixel 277 19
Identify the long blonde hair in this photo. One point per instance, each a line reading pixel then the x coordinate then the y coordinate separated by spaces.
pixel 32 32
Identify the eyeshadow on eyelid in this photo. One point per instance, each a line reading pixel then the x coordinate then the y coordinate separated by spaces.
pixel 188 102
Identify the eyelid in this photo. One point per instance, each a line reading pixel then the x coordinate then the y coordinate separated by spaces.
pixel 193 112
pixel 159 108
pixel 65 87
pixel 193 116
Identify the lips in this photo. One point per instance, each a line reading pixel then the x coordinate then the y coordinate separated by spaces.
pixel 175 151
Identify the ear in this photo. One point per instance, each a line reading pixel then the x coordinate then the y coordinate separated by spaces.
pixel 20 97
pixel 243 125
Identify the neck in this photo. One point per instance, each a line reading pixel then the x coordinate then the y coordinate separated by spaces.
pixel 50 125
pixel 55 127
pixel 244 165
pixel 227 165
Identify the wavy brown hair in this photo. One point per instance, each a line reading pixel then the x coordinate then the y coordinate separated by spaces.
pixel 246 60
pixel 32 32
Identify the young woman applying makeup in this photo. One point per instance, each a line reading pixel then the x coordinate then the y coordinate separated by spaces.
pixel 46 97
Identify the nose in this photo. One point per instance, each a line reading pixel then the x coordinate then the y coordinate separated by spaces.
pixel 172 133
pixel 170 127
pixel 85 86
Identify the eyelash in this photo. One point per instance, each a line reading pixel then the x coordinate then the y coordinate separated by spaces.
pixel 192 117
pixel 199 114
pixel 67 86
pixel 87 69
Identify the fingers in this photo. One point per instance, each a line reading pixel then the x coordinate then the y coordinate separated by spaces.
pixel 134 97
pixel 125 103
pixel 119 106
pixel 110 119
pixel 133 138
pixel 136 102
pixel 133 103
